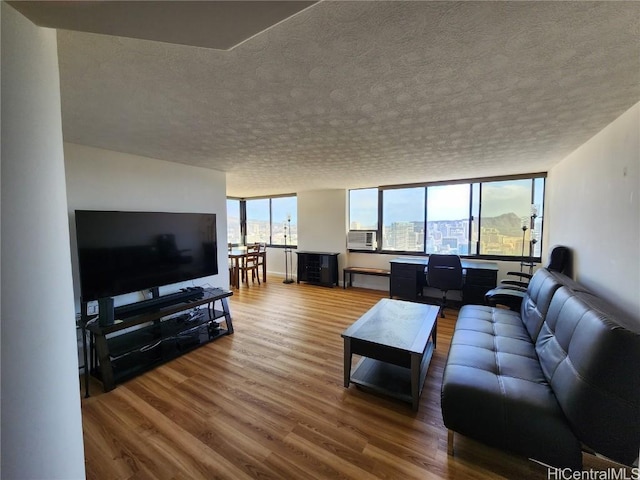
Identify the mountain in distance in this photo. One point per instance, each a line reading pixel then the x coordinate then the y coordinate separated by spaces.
pixel 508 224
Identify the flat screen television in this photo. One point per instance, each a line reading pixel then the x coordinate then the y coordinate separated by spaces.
pixel 123 252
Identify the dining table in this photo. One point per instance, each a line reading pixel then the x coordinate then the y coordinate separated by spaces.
pixel 237 257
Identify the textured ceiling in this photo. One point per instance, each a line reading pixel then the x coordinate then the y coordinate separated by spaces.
pixel 360 94
pixel 221 25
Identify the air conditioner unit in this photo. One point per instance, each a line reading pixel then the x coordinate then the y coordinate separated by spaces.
pixel 361 240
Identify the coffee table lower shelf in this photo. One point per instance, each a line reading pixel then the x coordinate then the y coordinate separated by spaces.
pixel 392 380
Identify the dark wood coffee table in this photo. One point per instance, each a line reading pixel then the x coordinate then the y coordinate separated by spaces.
pixel 396 340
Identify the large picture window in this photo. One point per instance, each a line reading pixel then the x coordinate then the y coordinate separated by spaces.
pixel 504 211
pixel 363 209
pixel 403 219
pixel 234 234
pixel 266 220
pixel 284 221
pixel 448 219
pixel 499 218
pixel 258 221
pixel 511 217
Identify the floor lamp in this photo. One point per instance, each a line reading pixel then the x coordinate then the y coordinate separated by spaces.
pixel 525 227
pixel 288 260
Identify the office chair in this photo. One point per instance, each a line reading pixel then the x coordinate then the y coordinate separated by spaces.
pixel 559 261
pixel 444 272
pixel 510 292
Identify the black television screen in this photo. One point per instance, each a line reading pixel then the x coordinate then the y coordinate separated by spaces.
pixel 123 252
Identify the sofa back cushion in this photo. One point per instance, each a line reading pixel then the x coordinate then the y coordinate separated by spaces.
pixel 537 299
pixel 590 354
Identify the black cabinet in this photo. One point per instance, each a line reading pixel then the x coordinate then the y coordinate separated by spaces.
pixel 407 279
pixel 477 283
pixel 320 268
pixel 135 344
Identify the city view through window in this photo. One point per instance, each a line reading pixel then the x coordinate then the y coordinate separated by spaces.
pixel 462 219
pixel 233 221
pixel 269 220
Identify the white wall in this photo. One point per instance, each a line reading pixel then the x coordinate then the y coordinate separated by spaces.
pixel 322 223
pixel 41 418
pixel 100 179
pixel 593 207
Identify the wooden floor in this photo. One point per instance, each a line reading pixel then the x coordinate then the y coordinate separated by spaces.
pixel 268 403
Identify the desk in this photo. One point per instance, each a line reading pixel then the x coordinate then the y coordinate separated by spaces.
pixel 408 279
pixel 236 258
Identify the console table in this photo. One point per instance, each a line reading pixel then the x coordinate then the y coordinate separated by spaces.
pixel 161 335
pixel 408 278
pixel 351 271
pixel 319 268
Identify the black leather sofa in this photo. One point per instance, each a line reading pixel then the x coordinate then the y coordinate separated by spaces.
pixel 559 377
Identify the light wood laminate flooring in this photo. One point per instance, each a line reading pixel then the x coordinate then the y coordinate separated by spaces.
pixel 268 403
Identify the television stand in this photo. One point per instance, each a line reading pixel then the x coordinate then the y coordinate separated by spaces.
pixel 164 333
pixel 158 301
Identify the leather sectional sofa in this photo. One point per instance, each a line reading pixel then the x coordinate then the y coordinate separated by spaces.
pixel 559 377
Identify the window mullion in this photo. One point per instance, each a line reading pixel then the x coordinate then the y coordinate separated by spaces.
pixel 426 216
pixel 479 241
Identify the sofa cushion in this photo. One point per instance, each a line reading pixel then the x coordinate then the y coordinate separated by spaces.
pixel 494 390
pixel 590 354
pixel 537 299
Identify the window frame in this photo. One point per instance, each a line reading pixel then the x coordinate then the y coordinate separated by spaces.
pixel 378 215
pixel 243 219
pixel 474 206
pixel 234 199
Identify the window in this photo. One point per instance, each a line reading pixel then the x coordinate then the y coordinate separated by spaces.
pixel 448 219
pixel 234 235
pixel 258 221
pixel 265 220
pixel 537 213
pixel 465 218
pixel 403 219
pixel 506 218
pixel 284 217
pixel 363 209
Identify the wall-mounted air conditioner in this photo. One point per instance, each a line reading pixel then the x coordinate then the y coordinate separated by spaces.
pixel 361 240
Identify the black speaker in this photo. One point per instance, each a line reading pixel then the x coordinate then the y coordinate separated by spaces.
pixel 105 311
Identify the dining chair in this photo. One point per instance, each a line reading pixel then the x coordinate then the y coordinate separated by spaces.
pixel 250 264
pixel 261 258
pixel 231 266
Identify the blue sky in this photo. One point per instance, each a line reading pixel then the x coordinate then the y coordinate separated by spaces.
pixel 447 202
pixel 259 209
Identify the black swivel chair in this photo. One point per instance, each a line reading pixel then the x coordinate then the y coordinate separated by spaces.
pixel 510 292
pixel 559 261
pixel 444 272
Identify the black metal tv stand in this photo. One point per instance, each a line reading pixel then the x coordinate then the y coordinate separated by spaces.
pixel 157 301
pixel 167 327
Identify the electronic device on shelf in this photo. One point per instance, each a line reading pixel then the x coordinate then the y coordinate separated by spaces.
pixel 143 306
pixel 124 252
pixel 144 340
